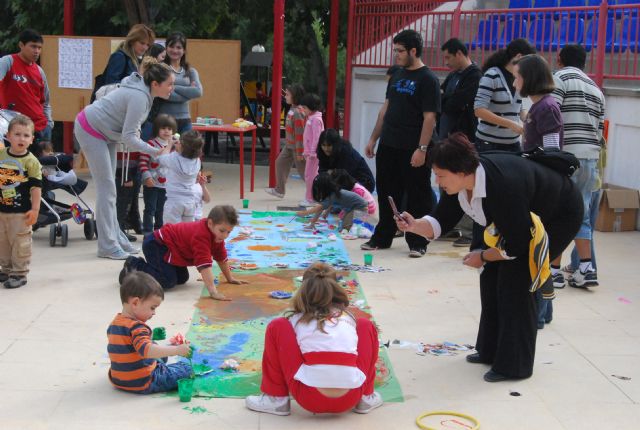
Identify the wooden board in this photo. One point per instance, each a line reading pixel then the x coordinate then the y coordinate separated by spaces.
pixel 217 62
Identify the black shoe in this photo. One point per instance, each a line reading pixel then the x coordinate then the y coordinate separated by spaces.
pixel 15 282
pixel 370 245
pixel 126 268
pixel 492 376
pixel 417 252
pixel 4 277
pixel 462 242
pixel 130 237
pixel 474 358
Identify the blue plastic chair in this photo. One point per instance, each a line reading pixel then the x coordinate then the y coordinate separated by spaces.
pixel 622 12
pixel 514 28
pixel 570 31
pixel 518 4
pixel 487 35
pixel 542 33
pixel 628 36
pixel 572 3
pixel 591 38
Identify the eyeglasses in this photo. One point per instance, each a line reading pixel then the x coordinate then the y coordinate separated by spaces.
pixel 399 50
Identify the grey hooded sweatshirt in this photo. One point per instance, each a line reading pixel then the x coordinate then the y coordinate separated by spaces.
pixel 181 175
pixel 119 114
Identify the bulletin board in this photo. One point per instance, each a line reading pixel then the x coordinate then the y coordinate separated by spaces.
pixel 217 63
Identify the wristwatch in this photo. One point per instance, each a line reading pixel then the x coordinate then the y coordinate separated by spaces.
pixel 423 148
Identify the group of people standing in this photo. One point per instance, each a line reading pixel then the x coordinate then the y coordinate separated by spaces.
pixel 471 131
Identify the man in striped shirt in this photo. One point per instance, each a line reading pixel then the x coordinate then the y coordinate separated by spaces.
pixel 132 353
pixel 582 106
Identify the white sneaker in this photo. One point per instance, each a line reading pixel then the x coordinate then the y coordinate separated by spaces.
pixel 118 254
pixel 131 249
pixel 274 193
pixel 368 403
pixel 275 405
pixel 306 203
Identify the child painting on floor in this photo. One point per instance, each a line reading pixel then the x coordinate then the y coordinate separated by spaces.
pixel 310 104
pixel 319 353
pixel 346 182
pixel 133 355
pixel 170 251
pixel 154 177
pixel 329 194
pixel 183 166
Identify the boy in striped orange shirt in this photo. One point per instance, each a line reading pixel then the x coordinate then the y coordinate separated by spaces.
pixel 132 353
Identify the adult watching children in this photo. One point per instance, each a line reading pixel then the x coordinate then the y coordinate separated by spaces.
pixel 23 84
pixel 116 118
pixel 510 195
pixel 335 152
pixel 128 57
pixel 187 85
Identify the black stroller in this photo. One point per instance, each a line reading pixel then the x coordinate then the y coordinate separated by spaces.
pixel 58 175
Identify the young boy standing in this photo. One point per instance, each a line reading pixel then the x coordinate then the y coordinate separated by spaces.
pixel 20 183
pixel 172 249
pixel 133 355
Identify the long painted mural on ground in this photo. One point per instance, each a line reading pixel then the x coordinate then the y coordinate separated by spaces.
pixel 270 250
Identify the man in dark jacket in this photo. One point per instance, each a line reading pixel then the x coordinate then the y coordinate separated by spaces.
pixel 458 91
pixel 458 95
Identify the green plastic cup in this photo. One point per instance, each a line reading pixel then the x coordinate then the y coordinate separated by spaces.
pixel 245 203
pixel 159 333
pixel 185 389
pixel 368 259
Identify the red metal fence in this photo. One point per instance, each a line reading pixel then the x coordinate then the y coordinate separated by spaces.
pixel 609 33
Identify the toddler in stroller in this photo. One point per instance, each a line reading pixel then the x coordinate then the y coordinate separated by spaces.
pixel 58 174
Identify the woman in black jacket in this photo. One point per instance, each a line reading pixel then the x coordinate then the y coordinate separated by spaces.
pixel 336 153
pixel 504 189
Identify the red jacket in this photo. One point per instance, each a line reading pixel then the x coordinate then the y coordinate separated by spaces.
pixel 25 88
pixel 191 244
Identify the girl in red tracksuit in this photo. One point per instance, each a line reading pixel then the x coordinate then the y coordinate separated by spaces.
pixel 320 354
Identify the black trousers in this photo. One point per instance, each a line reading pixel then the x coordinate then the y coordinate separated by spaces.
pixel 396 177
pixel 508 322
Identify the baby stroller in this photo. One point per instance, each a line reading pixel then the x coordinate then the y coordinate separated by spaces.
pixel 58 175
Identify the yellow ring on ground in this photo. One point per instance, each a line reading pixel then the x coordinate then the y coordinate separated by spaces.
pixel 475 422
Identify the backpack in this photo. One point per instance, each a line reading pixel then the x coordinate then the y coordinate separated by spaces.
pixel 562 162
pixel 99 80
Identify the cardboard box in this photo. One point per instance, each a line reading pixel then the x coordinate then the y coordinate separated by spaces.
pixel 618 209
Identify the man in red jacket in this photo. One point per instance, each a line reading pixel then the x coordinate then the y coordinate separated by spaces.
pixel 173 248
pixel 23 84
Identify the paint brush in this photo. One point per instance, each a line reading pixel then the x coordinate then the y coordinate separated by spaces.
pixel 294 217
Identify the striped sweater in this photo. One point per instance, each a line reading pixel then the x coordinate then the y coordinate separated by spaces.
pixel 129 342
pixel 149 166
pixel 582 106
pixel 495 95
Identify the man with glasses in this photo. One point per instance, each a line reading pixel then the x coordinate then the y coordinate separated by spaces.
pixel 405 126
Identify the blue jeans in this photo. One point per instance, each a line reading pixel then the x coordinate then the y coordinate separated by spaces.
pixel 154 199
pixel 167 275
pixel 585 179
pixel 165 377
pixel 593 217
pixel 545 309
pixel 43 135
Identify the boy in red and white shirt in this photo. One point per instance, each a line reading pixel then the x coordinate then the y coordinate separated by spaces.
pixel 154 175
pixel 172 249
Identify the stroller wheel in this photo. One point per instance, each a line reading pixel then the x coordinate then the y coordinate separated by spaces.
pixel 52 235
pixel 90 229
pixel 64 234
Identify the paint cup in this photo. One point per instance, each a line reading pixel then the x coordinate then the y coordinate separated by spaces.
pixel 245 203
pixel 185 389
pixel 368 259
pixel 159 333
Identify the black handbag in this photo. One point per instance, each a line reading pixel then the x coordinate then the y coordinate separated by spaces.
pixel 562 162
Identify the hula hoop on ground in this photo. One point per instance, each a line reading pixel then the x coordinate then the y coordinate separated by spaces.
pixel 476 423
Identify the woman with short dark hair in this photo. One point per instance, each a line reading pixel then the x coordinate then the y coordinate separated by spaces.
pixel 502 191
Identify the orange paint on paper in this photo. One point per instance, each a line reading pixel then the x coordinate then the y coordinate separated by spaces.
pixel 264 248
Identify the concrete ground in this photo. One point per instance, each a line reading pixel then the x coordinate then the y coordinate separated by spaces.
pixel 53 362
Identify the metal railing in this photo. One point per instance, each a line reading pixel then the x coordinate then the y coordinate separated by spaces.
pixel 609 33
